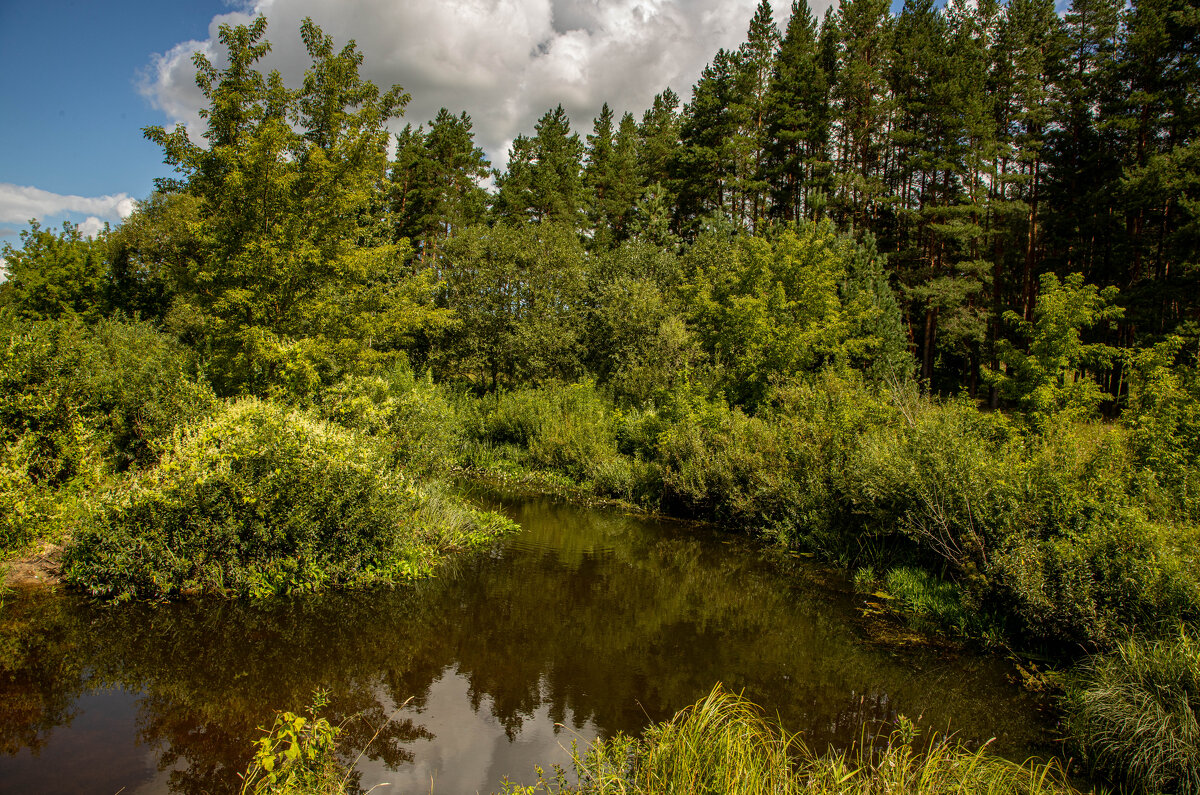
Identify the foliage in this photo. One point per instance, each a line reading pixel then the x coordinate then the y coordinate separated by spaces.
pixel 775 308
pixel 932 605
pixel 55 275
pixel 297 755
pixel 261 500
pixel 569 428
pixel 1133 713
pixel 518 293
pixel 1056 374
pixel 1163 414
pixel 723 744
pixel 293 278
pixel 417 420
pixel 78 404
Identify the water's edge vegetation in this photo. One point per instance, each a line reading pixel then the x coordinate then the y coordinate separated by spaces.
pixel 260 383
pixel 722 744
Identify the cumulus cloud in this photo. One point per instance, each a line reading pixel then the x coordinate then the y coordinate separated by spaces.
pixel 504 62
pixel 19 203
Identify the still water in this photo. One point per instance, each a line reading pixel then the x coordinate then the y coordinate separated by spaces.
pixel 585 623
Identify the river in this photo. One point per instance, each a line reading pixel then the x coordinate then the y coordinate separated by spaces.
pixel 585 623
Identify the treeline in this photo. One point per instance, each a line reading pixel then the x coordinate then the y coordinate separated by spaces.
pixel 982 145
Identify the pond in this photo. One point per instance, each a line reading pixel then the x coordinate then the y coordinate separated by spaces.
pixel 587 622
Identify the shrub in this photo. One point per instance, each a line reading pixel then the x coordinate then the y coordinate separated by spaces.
pixel 1132 714
pixel 568 428
pixel 262 500
pixel 116 390
pixel 419 421
pixel 78 404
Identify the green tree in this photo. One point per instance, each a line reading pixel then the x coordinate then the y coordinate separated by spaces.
pixel 768 309
pixel 54 275
pixel 519 294
pixel 755 63
pixel 1056 375
pixel 658 139
pixel 707 127
pixel 436 182
pixel 291 277
pixel 544 177
pixel 797 118
pixel 862 107
pixel 611 178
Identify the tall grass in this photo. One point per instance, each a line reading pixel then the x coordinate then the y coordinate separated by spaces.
pixel 1133 714
pixel 724 745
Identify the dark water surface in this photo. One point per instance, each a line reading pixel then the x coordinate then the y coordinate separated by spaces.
pixel 586 623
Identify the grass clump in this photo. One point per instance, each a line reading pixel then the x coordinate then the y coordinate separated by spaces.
pixel 723 745
pixel 1132 714
pixel 263 500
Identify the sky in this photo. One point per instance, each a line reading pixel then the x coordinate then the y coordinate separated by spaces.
pixel 79 80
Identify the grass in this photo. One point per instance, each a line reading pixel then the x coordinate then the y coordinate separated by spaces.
pixel 724 744
pixel 1133 714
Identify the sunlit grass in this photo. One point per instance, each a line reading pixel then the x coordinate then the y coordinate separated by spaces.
pixel 724 744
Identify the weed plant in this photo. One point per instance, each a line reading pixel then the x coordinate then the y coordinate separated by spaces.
pixel 723 745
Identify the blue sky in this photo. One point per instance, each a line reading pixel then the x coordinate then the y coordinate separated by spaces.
pixel 72 112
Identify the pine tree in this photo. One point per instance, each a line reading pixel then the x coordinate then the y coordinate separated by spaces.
pixel 754 64
pixel 658 139
pixel 798 118
pixel 862 108
pixel 1155 116
pixel 544 177
pixel 1084 165
pixel 707 129
pixel 1032 46
pixel 435 182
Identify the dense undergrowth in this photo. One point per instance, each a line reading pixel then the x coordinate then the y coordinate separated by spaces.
pixel 1057 538
pixel 1049 533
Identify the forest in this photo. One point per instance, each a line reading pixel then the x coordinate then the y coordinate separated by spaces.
pixel 914 292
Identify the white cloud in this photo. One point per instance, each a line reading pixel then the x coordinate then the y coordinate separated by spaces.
pixel 505 62
pixel 19 203
pixel 91 226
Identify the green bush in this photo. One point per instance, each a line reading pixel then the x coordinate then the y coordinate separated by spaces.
pixel 78 404
pixel 568 428
pixel 115 390
pixel 262 500
pixel 1132 714
pixel 423 425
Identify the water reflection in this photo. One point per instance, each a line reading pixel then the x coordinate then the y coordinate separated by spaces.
pixel 587 623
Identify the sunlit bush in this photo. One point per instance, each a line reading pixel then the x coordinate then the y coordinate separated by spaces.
pixel 264 500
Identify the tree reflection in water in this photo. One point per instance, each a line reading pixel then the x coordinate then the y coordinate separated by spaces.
pixel 591 619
